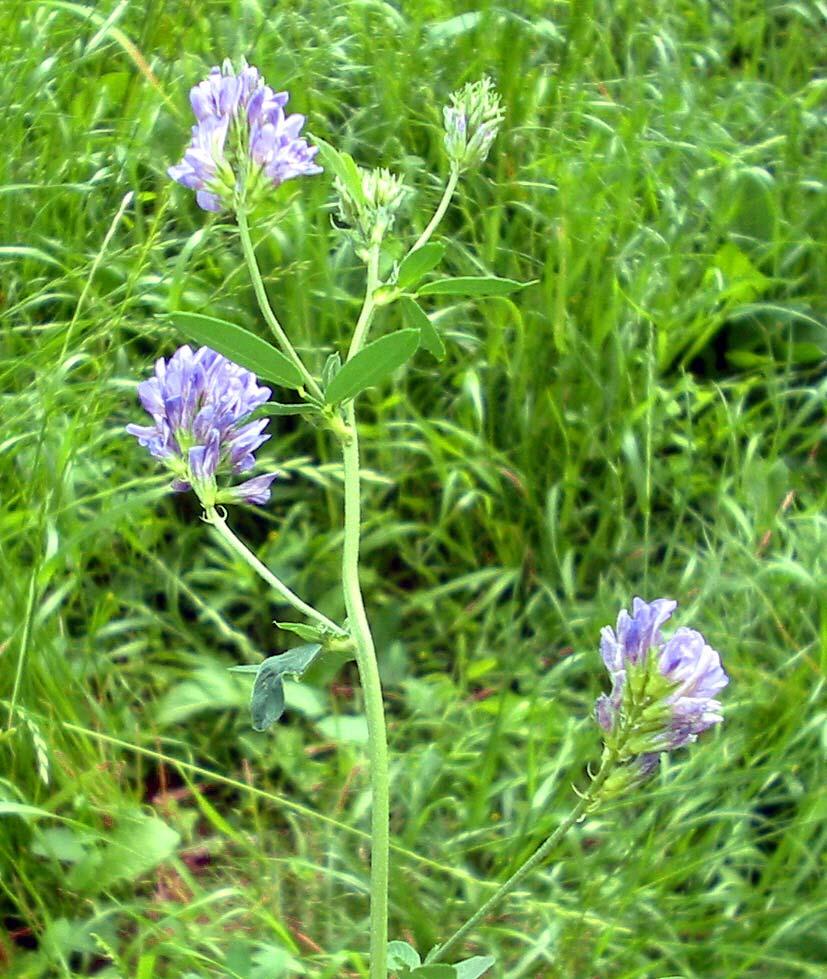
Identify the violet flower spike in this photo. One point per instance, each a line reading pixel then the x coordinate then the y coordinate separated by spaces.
pixel 242 144
pixel 199 403
pixel 663 690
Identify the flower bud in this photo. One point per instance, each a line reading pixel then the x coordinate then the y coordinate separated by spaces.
pixel 382 193
pixel 471 123
pixel 625 778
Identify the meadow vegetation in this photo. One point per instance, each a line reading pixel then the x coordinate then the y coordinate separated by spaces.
pixel 645 419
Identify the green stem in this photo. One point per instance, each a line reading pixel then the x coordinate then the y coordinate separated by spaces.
pixel 366 658
pixel 587 801
pixel 368 307
pixel 266 309
pixel 433 224
pixel 238 547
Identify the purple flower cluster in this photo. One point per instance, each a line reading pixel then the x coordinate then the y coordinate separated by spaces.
pixel 690 671
pixel 241 133
pixel 198 402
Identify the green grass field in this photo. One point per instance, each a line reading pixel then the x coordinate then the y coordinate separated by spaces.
pixel 646 418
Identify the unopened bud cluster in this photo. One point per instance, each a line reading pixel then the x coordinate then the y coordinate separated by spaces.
pixel 373 212
pixel 471 123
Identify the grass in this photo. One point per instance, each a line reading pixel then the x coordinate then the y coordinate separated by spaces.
pixel 645 419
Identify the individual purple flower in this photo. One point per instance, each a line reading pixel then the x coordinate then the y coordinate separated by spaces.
pixel 276 147
pixel 255 490
pixel 663 690
pixel 242 143
pixel 199 401
pixel 695 667
pixel 204 168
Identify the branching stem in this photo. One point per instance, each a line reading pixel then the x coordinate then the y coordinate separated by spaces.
pixel 239 548
pixel 267 310
pixel 439 213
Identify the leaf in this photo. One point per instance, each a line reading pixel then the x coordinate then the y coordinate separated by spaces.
pixel 474 967
pixel 209 688
pixel 417 263
pixel 377 361
pixel 295 661
pixel 345 729
pixel 402 956
pixel 435 972
pixel 22 251
pixel 742 281
pixel 343 166
pixel 453 27
pixel 275 408
pixel 270 962
pixel 417 318
pixel 310 633
pixel 749 204
pixel 210 813
pixel 60 843
pixel 137 845
pixel 63 936
pixel 472 285
pixel 21 809
pixel 267 701
pixel 241 346
pixel 305 699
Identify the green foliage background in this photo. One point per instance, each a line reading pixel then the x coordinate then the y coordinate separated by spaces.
pixel 645 419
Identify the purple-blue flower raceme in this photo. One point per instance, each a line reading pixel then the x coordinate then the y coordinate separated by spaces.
pixel 242 143
pixel 199 402
pixel 663 690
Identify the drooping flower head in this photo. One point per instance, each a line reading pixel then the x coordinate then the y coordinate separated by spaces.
pixel 199 402
pixel 663 690
pixel 242 143
pixel 471 123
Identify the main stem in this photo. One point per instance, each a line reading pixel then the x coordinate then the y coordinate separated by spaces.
pixel 238 547
pixel 266 309
pixel 586 801
pixel 366 659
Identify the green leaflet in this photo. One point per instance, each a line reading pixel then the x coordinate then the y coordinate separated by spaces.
pixel 343 166
pixel 373 364
pixel 417 263
pixel 471 285
pixel 267 700
pixel 240 346
pixel 401 955
pixel 416 317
